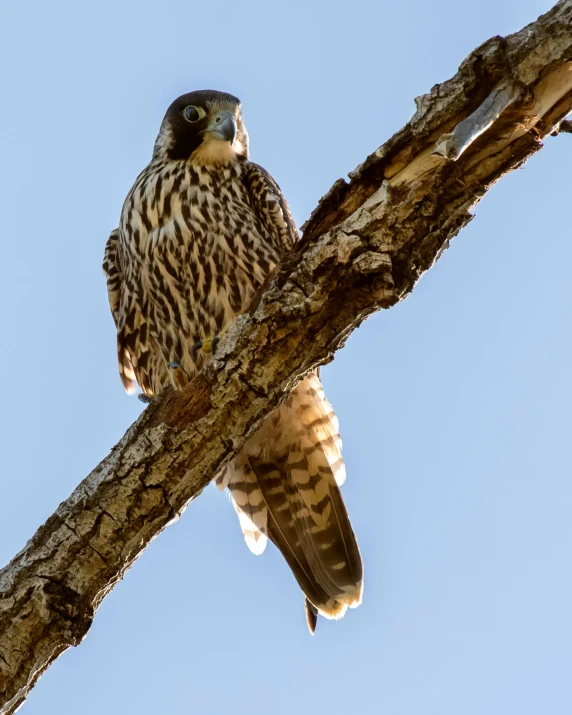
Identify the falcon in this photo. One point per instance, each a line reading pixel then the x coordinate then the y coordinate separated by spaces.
pixel 199 233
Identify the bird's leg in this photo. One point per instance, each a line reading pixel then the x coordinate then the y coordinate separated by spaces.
pixel 181 377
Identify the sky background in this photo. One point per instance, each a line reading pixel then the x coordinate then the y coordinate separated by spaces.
pixel 454 406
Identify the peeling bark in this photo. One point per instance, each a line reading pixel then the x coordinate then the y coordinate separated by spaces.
pixel 364 248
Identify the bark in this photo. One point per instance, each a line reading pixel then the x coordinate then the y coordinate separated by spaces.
pixel 364 248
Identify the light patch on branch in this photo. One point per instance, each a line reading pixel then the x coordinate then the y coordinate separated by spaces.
pixel 451 146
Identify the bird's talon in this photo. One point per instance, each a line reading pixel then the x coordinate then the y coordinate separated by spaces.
pixel 214 342
pixel 145 399
pixel 196 347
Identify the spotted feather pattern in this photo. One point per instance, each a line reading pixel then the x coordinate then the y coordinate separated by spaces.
pixel 194 243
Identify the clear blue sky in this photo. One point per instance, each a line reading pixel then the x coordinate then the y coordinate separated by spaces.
pixel 454 406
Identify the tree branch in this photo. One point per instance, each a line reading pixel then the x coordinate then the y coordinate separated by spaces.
pixel 364 248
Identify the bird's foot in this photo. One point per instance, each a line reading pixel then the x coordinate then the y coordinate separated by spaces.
pixel 145 399
pixel 208 345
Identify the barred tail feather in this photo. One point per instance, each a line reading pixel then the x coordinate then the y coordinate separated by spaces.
pixel 249 505
pixel 284 485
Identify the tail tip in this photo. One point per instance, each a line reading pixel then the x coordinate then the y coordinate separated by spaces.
pixel 311 616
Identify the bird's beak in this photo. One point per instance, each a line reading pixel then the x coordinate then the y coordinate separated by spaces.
pixel 222 126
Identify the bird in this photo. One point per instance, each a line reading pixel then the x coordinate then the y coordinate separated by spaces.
pixel 199 233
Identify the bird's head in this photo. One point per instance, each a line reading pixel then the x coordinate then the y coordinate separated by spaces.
pixel 204 127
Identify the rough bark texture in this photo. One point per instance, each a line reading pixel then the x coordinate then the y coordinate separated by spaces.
pixel 364 248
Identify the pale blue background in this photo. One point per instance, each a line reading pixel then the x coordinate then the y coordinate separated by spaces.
pixel 455 405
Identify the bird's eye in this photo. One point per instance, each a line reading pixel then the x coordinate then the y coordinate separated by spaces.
pixel 193 114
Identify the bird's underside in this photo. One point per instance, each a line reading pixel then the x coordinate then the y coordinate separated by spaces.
pixel 200 231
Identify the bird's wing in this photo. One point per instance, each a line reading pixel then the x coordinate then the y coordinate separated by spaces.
pixel 271 206
pixel 115 293
pixel 113 274
pixel 133 350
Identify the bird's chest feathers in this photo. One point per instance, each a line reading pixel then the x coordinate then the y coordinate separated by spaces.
pixel 195 209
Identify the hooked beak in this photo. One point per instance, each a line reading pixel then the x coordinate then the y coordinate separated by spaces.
pixel 222 126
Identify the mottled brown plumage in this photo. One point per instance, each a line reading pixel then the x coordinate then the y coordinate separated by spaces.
pixel 199 232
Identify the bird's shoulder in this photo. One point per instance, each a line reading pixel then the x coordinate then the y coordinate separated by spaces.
pixel 271 203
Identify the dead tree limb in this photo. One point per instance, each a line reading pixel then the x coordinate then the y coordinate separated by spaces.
pixel 364 248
